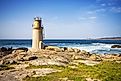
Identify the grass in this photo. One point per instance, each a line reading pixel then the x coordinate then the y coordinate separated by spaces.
pixel 105 71
pixel 5 67
pixel 46 66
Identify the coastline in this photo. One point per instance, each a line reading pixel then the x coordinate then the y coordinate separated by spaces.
pixel 28 64
pixel 94 46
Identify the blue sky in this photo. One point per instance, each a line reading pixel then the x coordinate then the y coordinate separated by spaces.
pixel 62 19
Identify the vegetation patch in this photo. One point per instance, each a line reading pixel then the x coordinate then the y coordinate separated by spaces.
pixel 46 66
pixel 105 71
pixel 5 67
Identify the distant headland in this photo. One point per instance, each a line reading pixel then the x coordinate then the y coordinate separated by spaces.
pixel 110 38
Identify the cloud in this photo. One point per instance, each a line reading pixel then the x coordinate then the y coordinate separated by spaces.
pixel 111 6
pixel 112 9
pixel 93 17
pixel 82 18
pixel 88 18
pixel 116 9
pixel 90 12
pixel 103 4
pixel 100 10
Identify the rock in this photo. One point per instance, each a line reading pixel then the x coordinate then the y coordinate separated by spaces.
pixel 70 49
pixel 12 62
pixel 65 48
pixel 23 53
pixel 2 54
pixel 119 55
pixel 76 50
pixel 20 66
pixel 58 49
pixel 14 51
pixel 9 77
pixel 25 49
pixel 87 62
pixel 54 48
pixel 115 57
pixel 110 56
pixel 18 75
pixel 94 57
pixel 45 46
pixel 29 52
pixel 5 51
pixel 1 62
pixel 19 50
pixel 76 57
pixel 83 57
pixel 30 57
pixel 116 46
pixel 43 71
pixel 19 57
pixel 44 61
pixel 59 58
pixel 84 52
pixel 50 48
pixel 8 61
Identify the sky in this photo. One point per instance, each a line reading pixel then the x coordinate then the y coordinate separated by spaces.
pixel 62 19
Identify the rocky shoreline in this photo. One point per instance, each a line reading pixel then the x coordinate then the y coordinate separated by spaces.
pixel 21 58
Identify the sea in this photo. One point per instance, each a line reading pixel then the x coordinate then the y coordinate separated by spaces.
pixel 93 46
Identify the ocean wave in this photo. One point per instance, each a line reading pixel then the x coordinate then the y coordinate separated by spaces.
pixel 97 46
pixel 94 48
pixel 107 51
pixel 16 46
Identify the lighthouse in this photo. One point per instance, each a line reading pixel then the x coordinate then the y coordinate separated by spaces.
pixel 37 34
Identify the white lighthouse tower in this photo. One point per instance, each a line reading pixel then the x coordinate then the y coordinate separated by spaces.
pixel 37 36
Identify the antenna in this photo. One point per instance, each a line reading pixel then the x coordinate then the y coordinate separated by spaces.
pixel 43 31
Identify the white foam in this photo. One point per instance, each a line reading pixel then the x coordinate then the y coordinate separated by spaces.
pixel 95 47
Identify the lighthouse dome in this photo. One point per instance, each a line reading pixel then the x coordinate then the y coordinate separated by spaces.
pixel 36 24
